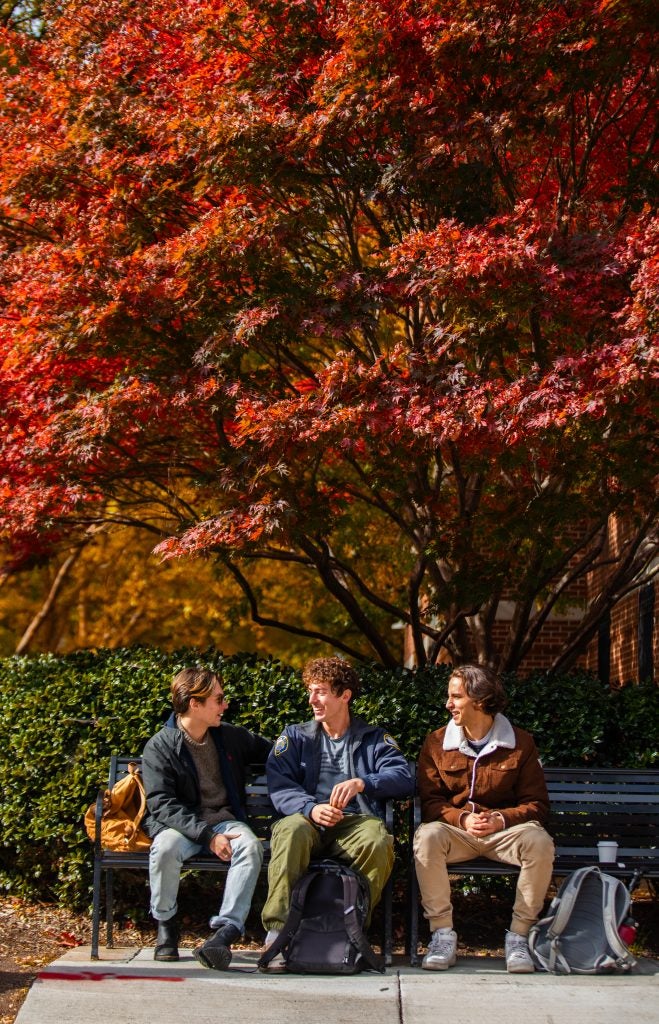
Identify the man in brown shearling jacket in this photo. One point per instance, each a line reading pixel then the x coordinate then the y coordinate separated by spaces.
pixel 483 794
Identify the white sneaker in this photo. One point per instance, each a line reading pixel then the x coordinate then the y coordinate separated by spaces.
pixel 518 955
pixel 442 950
pixel 277 963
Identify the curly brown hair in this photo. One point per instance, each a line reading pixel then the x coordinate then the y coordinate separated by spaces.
pixel 334 672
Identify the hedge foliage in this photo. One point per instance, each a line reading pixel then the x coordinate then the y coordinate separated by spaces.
pixel 62 717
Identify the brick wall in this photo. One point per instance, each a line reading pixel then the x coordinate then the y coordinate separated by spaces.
pixel 625 657
pixel 624 664
pixel 551 641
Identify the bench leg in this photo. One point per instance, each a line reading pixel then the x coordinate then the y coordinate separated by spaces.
pixel 412 895
pixel 96 909
pixel 109 907
pixel 387 906
pixel 413 891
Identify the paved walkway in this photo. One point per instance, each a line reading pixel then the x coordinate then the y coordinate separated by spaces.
pixel 128 987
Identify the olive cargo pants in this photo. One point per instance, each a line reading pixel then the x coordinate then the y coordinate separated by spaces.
pixel 360 840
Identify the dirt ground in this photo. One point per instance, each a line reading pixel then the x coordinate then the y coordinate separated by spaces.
pixel 34 934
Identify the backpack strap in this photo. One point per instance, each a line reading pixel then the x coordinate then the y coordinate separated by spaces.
pixel 351 890
pixel 276 947
pixel 610 887
pixel 556 957
pixel 298 897
pixel 136 776
pixel 534 939
pixel 566 899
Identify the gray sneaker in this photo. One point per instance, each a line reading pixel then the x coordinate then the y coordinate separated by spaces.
pixel 442 950
pixel 278 963
pixel 518 956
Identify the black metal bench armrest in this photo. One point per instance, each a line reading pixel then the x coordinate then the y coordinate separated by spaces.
pixel 98 816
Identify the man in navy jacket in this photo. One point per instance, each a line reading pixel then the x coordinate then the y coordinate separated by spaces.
pixel 330 779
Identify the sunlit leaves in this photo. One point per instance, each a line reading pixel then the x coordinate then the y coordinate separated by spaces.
pixel 312 263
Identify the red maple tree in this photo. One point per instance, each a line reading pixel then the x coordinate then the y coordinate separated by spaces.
pixel 276 273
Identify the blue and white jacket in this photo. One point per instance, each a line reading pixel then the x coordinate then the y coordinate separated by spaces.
pixel 293 768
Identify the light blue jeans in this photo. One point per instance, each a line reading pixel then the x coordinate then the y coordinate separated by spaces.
pixel 170 849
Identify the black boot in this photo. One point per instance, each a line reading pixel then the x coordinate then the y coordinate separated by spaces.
pixel 215 952
pixel 167 941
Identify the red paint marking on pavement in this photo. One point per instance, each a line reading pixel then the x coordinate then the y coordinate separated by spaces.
pixel 101 976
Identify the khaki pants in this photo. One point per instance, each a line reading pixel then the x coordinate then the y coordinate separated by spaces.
pixel 360 840
pixel 436 845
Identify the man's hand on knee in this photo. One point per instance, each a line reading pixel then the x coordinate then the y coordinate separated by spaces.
pixel 221 846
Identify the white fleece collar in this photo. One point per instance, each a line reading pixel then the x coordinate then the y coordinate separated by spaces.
pixel 502 735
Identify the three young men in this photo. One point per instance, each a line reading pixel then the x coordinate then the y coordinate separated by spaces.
pixel 481 784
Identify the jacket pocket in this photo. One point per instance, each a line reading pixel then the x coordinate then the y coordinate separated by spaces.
pixel 498 781
pixel 454 776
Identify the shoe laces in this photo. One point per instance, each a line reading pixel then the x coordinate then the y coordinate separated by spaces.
pixel 441 945
pixel 517 947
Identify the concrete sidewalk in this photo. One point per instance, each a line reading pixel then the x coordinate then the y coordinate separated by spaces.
pixel 128 987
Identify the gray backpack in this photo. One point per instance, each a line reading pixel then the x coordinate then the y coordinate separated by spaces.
pixel 579 935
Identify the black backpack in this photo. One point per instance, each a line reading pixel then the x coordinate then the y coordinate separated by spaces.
pixel 324 930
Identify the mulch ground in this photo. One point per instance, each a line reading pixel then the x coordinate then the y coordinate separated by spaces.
pixel 31 935
pixel 34 934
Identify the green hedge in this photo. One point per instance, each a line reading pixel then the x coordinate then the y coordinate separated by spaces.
pixel 61 717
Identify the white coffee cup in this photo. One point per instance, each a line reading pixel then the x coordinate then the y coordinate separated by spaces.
pixel 607 851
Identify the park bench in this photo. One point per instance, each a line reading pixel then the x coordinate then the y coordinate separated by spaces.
pixel 260 814
pixel 587 804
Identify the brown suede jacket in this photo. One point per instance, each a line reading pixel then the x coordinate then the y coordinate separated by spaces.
pixel 507 776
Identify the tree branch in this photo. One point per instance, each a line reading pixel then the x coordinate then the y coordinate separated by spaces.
pixel 48 605
pixel 262 620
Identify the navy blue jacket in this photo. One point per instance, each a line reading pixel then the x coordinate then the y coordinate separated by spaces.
pixel 293 768
pixel 173 798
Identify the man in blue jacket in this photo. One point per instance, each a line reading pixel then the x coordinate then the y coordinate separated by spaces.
pixel 194 775
pixel 330 779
